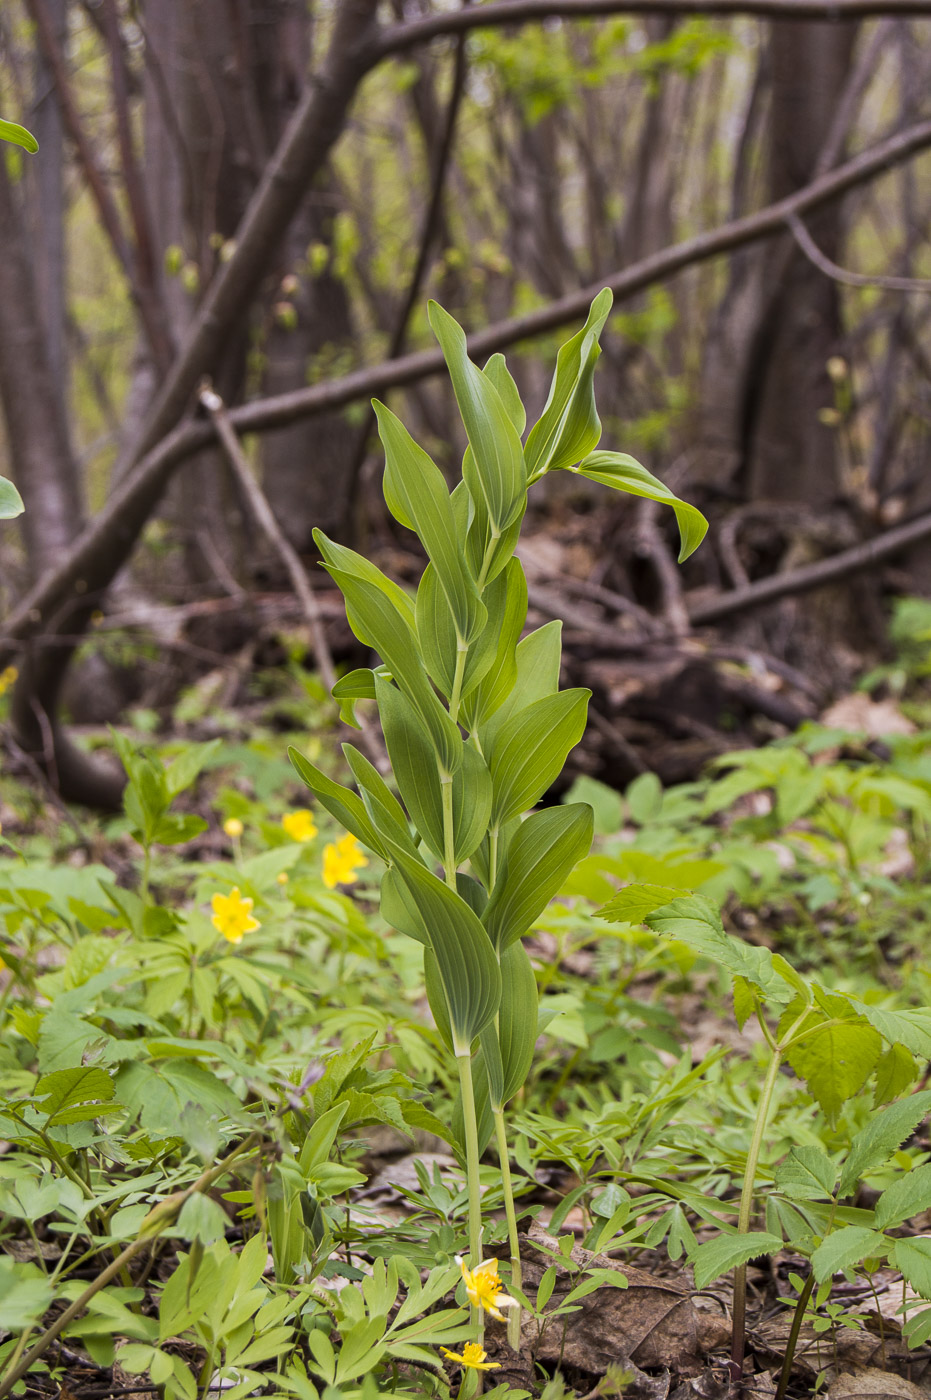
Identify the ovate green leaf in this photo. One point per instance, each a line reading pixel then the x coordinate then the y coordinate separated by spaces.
pixel 623 473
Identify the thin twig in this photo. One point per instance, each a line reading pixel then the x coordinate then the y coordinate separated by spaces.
pixel 265 517
pixel 840 274
pixel 651 543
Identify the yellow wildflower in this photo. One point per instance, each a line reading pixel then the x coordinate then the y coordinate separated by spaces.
pixel 472 1356
pixel 282 877
pixel 232 915
pixel 233 827
pixel 8 677
pixel 300 826
pixel 340 862
pixel 484 1287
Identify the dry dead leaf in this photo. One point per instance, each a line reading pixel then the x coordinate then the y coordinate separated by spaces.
pixel 871 717
pixel 873 1384
pixel 653 1322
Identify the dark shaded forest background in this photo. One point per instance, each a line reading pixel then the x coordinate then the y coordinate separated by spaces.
pixel 263 194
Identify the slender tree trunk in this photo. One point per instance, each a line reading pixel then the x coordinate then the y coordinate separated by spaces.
pixel 789 452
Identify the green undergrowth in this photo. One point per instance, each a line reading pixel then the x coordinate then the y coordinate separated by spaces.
pixel 140 1047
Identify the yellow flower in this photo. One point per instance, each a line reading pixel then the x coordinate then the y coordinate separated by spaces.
pixel 7 678
pixel 300 826
pixel 233 827
pixel 232 915
pixel 282 877
pixel 340 862
pixel 484 1287
pixel 472 1356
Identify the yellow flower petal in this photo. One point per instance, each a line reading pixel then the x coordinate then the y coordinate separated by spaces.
pixel 232 915
pixel 300 825
pixel 233 827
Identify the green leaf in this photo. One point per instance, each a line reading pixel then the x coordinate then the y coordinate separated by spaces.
pixel 175 828
pixel 341 802
pixel 569 427
pixel 634 903
pixel 355 685
pixel 836 1061
pixel 517 1019
pixel 530 749
pixel 911 1028
pixel 807 1174
pixel 727 1252
pixel 398 908
pixel 11 502
pixel 746 998
pixel 541 854
pixel 18 136
pixel 348 561
pixel 505 624
pixel 439 643
pixel 623 473
pixel 495 472
pixel 905 1198
pixel 159 1094
pixel 416 495
pixel 845 1248
pixel 184 770
pixel 883 1135
pixel 25 1295
pixel 912 1258
pixel 73 1095
pixel 380 802
pixel 895 1073
pixel 537 659
pixel 465 960
pixel 415 769
pixel 496 369
pixel 695 921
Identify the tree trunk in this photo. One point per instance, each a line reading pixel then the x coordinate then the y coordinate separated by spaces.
pixel 789 454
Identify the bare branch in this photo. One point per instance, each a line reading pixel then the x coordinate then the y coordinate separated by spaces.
pixel 811 576
pixel 516 12
pixel 840 274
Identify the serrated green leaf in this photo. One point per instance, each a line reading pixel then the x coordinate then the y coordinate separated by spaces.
pixel 745 1000
pixel 728 1252
pixel 884 1134
pixel 73 1095
pixel 18 136
pixel 623 473
pixel 912 1258
pixel 911 1028
pixel 836 1061
pixel 494 473
pixel 807 1174
pixel 11 502
pixel 895 1073
pixel 694 920
pixel 633 903
pixel 569 426
pixel 530 749
pixel 905 1198
pixel 845 1248
pixel 539 858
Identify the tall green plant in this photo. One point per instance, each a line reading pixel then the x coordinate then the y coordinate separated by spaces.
pixel 474 721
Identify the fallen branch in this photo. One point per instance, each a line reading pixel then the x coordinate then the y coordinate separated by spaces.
pixel 811 576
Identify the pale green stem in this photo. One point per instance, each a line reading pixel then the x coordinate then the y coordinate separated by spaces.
pixel 462 651
pixel 464 1063
pixel 492 858
pixel 449 835
pixel 511 1214
pixel 489 551
pixel 746 1207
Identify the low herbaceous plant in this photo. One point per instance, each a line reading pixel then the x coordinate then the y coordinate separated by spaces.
pixel 476 730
